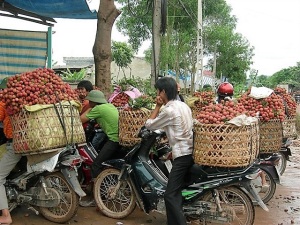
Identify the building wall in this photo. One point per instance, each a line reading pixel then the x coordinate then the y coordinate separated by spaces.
pixel 137 68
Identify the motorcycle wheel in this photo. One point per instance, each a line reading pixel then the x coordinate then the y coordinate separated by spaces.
pixel 237 199
pixel 266 194
pixel 282 163
pixel 69 200
pixel 118 206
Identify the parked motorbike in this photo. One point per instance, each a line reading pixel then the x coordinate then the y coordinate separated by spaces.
pixel 49 187
pixel 89 151
pixel 210 194
pixel 284 154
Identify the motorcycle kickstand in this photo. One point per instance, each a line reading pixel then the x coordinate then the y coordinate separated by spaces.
pixel 33 210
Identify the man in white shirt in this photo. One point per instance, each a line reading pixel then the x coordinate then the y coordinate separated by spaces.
pixel 176 120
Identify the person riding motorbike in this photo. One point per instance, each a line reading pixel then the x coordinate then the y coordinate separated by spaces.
pixel 224 92
pixel 8 159
pixel 176 120
pixel 107 116
pixel 84 87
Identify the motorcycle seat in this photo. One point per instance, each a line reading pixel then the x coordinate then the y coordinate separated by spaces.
pixel 210 171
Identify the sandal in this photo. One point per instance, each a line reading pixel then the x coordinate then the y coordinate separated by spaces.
pixel 264 188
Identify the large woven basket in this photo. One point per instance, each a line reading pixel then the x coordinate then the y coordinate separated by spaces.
pixel 289 127
pixel 224 145
pixel 130 122
pixel 271 134
pixel 47 129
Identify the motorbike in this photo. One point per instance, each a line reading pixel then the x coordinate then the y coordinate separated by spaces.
pixel 89 151
pixel 49 187
pixel 284 154
pixel 210 194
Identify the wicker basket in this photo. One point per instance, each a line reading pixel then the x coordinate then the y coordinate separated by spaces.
pixel 130 122
pixel 271 135
pixel 42 131
pixel 195 111
pixel 224 145
pixel 289 127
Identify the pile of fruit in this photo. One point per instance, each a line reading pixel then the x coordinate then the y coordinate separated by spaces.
pixel 266 108
pixel 41 86
pixel 220 113
pixel 289 102
pixel 205 98
pixel 120 100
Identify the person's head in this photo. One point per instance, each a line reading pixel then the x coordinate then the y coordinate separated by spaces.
pixel 96 97
pixel 166 88
pixel 3 83
pixel 84 87
pixel 225 91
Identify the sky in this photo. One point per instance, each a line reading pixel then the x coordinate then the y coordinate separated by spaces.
pixel 272 27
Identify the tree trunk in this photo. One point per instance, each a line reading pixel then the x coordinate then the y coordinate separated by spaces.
pixel 107 14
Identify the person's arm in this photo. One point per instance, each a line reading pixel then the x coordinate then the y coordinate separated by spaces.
pixel 155 112
pixel 158 118
pixel 83 117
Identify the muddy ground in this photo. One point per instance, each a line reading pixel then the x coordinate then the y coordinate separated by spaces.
pixel 284 207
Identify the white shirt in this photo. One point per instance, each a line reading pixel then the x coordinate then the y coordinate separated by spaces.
pixel 176 120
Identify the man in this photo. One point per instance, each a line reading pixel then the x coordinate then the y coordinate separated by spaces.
pixel 8 159
pixel 107 116
pixel 84 87
pixel 176 120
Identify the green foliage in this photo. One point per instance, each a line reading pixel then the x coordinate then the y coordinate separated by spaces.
pixel 207 87
pixel 136 21
pixel 143 101
pixel 178 47
pixel 75 76
pixel 122 54
pixel 239 89
pixel 289 75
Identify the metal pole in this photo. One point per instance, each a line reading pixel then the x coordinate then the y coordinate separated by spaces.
pixel 199 65
pixel 156 25
pixel 49 47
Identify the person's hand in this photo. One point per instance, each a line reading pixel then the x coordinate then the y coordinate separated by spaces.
pixel 159 101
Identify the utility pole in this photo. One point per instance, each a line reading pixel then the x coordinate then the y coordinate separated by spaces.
pixel 156 25
pixel 199 65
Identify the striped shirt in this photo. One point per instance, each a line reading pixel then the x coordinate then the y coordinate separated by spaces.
pixel 176 120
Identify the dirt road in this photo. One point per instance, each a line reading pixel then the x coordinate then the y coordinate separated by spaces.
pixel 284 207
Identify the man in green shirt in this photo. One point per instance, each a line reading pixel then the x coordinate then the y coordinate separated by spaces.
pixel 107 116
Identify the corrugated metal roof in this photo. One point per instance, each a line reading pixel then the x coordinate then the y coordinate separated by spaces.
pixel 21 51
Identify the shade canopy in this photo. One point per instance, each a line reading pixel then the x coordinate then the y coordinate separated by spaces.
pixel 44 11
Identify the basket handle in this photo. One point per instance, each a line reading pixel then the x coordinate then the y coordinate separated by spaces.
pixel 61 120
pixel 72 122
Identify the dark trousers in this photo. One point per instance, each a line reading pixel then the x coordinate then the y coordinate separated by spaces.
pixel 107 152
pixel 173 197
